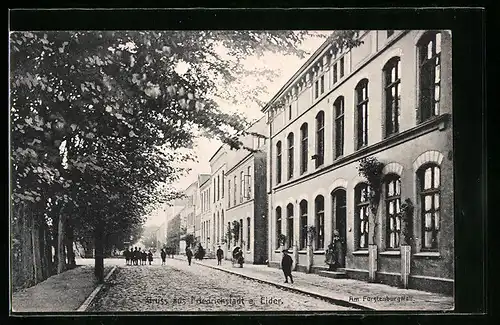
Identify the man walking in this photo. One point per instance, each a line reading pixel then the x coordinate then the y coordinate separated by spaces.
pixel 220 254
pixel 189 255
pixel 286 266
pixel 163 256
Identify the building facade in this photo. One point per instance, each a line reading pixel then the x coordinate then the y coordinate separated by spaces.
pixel 206 215
pixel 246 204
pixel 198 231
pixel 218 170
pixel 389 98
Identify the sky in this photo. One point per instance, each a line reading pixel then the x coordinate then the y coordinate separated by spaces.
pixel 285 66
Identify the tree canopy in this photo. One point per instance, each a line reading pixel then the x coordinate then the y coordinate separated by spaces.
pixel 98 118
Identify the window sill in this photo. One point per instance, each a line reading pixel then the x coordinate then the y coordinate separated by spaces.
pixel 302 252
pixel 360 253
pixel 277 251
pixel 319 252
pixel 391 253
pixel 427 255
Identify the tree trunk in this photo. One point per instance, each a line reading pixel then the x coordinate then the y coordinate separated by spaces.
pixel 99 252
pixel 61 262
pixel 37 260
pixel 69 245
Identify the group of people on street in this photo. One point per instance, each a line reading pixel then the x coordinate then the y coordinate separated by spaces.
pixel 334 257
pixel 137 257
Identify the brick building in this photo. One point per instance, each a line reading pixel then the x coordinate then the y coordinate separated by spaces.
pixel 246 205
pixel 390 98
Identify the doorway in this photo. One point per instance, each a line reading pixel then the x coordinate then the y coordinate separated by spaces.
pixel 339 221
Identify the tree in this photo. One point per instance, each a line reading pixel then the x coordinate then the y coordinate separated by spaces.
pixel 99 118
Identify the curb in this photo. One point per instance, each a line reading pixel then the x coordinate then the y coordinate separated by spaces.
pixel 94 293
pixel 339 302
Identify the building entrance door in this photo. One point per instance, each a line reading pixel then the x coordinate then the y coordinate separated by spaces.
pixel 339 218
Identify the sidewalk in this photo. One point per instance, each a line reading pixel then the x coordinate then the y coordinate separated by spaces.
pixel 358 294
pixel 62 292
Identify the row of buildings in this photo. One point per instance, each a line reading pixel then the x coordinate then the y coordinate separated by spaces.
pixel 389 98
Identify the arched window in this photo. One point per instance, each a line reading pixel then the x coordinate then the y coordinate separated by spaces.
pixel 392 210
pixel 429 48
pixel 278 162
pixel 362 114
pixel 303 224
pixel 429 188
pixel 289 224
pixel 278 226
pixel 320 139
pixel 319 223
pixel 392 81
pixel 361 216
pixel 303 148
pixel 290 155
pixel 338 107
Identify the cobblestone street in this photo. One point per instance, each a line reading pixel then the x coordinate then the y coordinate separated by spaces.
pixel 179 287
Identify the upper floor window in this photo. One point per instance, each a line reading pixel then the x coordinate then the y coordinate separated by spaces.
pixel 322 84
pixel 215 189
pixel 290 141
pixel 429 188
pixel 392 210
pixel 362 113
pixel 222 189
pixel 228 193
pixel 289 112
pixel 218 187
pixel 390 33
pixel 429 48
pixel 316 89
pixel 303 148
pixel 361 216
pixel 320 139
pixel 278 162
pixel 341 67
pixel 392 80
pixel 242 185
pixel 249 182
pixel 339 126
pixel 335 73
pixel 235 189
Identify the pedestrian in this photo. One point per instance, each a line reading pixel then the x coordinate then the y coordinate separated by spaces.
pixel 163 255
pixel 189 255
pixel 144 257
pixel 286 266
pixel 338 249
pixel 136 256
pixel 150 257
pixel 126 253
pixel 220 254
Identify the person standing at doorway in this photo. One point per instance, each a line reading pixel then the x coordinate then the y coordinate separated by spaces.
pixel 189 255
pixel 220 254
pixel 286 266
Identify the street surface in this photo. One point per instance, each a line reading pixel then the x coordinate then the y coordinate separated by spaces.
pixel 179 287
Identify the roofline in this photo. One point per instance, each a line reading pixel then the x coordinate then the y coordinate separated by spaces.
pixel 297 74
pixel 216 153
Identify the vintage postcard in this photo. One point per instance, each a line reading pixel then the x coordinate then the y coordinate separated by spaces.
pixel 231 170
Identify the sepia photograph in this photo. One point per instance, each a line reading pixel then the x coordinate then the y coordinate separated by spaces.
pixel 231 171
